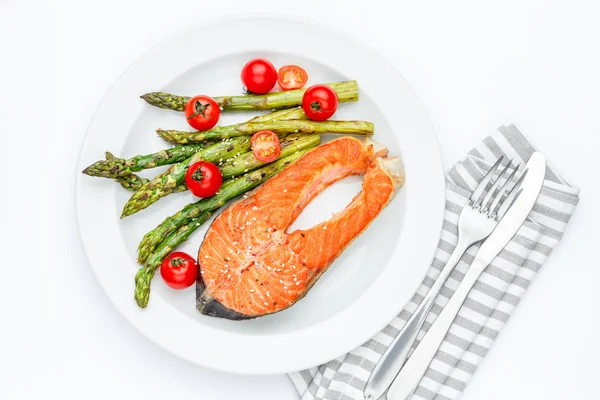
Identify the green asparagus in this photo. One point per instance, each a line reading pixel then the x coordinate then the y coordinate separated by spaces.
pixel 346 91
pixel 228 131
pixel 184 227
pixel 290 146
pixel 166 183
pixel 129 181
pixel 144 275
pixel 113 167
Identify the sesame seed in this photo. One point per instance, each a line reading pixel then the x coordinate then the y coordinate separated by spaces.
pixel 268 293
pixel 285 287
pixel 283 264
pixel 246 170
pixel 278 269
pixel 295 279
pixel 255 208
pixel 202 272
pixel 269 268
pixel 251 294
pixel 206 256
pixel 284 190
pixel 324 227
pixel 228 276
pixel 222 271
pixel 246 212
pixel 237 252
pixel 247 222
pixel 234 243
pixel 253 219
pixel 281 281
pixel 197 224
pixel 242 228
pixel 251 290
pixel 293 266
pixel 268 236
pixel 220 160
pixel 293 275
pixel 266 304
pixel 297 283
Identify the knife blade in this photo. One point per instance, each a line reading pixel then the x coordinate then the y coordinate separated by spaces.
pixel 414 369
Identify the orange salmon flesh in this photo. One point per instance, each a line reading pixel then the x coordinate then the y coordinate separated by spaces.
pixel 251 266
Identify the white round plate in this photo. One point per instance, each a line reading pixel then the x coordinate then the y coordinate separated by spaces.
pixel 364 288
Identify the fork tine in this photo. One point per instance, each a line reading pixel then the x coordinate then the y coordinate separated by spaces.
pixel 503 189
pixel 512 195
pixel 492 191
pixel 484 182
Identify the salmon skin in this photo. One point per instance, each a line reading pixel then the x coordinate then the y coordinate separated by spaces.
pixel 250 266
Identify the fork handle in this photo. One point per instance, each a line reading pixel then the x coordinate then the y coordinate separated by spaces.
pixel 397 353
pixel 414 369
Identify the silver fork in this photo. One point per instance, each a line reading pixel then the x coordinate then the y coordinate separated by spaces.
pixel 476 222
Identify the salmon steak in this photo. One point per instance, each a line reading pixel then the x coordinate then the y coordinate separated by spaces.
pixel 251 266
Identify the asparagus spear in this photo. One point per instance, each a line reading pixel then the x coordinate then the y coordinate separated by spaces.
pixel 229 190
pixel 145 274
pixel 166 183
pixel 228 131
pixel 113 167
pixel 346 91
pixel 172 178
pixel 278 126
pixel 291 145
pixel 129 181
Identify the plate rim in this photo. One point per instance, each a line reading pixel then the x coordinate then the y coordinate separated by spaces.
pixel 224 19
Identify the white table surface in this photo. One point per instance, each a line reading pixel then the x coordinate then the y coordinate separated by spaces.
pixel 474 66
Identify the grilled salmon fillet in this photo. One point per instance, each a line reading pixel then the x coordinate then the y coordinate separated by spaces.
pixel 251 266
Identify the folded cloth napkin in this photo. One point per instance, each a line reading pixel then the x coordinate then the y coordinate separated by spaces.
pixel 489 304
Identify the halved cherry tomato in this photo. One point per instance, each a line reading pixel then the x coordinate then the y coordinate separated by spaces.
pixel 203 179
pixel 319 102
pixel 179 270
pixel 291 77
pixel 202 112
pixel 265 146
pixel 259 76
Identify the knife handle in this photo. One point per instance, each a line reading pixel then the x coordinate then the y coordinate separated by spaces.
pixel 414 369
pixel 396 354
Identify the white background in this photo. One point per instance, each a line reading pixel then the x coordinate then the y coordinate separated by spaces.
pixel 474 64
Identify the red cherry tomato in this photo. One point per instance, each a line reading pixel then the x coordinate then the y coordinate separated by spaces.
pixel 203 179
pixel 202 112
pixel 265 146
pixel 179 270
pixel 291 77
pixel 259 76
pixel 319 102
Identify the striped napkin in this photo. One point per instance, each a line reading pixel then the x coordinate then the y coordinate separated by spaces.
pixel 489 304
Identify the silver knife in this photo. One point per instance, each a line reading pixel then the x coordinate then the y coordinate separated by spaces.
pixel 413 370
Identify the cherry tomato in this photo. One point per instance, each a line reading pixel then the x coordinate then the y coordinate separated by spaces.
pixel 291 77
pixel 265 146
pixel 203 179
pixel 319 102
pixel 179 270
pixel 259 76
pixel 202 112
